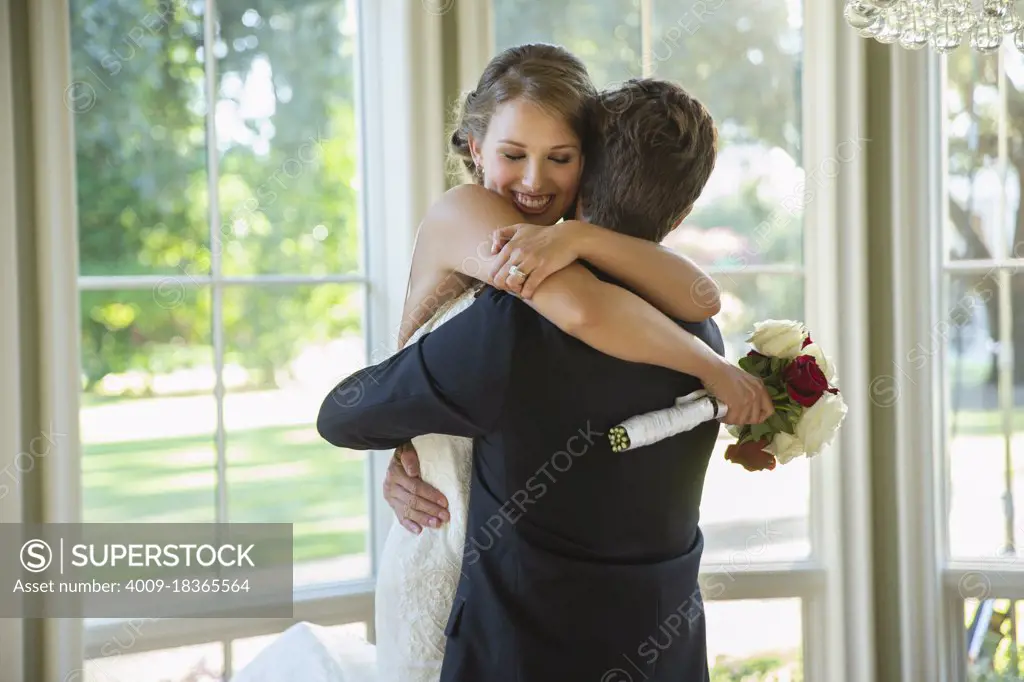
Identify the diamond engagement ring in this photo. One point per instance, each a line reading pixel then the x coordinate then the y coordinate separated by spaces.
pixel 514 271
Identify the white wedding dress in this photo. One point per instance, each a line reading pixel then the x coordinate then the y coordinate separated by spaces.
pixel 419 573
pixel 415 584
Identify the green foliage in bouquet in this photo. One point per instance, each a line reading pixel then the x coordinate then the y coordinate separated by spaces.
pixel 787 411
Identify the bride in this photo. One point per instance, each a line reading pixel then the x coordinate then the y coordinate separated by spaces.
pixel 520 136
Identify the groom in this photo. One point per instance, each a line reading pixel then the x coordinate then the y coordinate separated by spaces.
pixel 580 564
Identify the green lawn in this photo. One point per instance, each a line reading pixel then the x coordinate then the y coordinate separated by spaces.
pixel 277 474
pixel 983 423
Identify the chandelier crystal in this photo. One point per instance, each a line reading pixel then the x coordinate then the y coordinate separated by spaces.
pixel 944 25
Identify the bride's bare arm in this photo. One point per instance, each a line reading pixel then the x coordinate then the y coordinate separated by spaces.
pixel 673 283
pixel 456 236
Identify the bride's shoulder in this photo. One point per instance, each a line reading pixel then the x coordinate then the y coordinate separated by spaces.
pixel 461 198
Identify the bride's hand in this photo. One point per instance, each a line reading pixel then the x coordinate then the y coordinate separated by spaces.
pixel 415 502
pixel 538 251
pixel 743 393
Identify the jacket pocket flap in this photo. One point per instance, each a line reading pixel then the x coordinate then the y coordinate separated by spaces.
pixel 452 628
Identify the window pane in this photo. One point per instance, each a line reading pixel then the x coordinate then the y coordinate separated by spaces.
pixel 148 413
pixel 744 61
pixel 762 516
pixel 975 443
pixel 286 348
pixel 286 132
pixel 755 640
pixel 992 628
pixel 972 125
pixel 137 95
pixel 203 663
pixel 986 484
pixel 605 35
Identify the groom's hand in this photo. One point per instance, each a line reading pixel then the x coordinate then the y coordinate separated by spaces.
pixel 417 504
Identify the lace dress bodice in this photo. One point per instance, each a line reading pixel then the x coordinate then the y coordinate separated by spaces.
pixel 419 573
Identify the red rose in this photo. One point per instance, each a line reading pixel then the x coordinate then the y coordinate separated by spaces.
pixel 807 342
pixel 805 382
pixel 751 455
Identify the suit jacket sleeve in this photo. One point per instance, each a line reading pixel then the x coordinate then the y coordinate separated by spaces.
pixel 452 381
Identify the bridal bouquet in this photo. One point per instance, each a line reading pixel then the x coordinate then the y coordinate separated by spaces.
pixel 800 380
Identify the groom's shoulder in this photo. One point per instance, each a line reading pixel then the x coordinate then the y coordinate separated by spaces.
pixel 707 330
pixel 499 305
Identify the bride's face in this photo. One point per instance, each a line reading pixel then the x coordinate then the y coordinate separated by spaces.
pixel 531 158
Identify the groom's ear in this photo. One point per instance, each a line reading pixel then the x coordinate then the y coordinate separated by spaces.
pixel 683 216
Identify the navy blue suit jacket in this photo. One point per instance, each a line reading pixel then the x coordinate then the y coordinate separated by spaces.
pixel 580 564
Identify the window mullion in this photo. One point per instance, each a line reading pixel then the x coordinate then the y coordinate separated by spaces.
pixel 646 36
pixel 1005 292
pixel 217 292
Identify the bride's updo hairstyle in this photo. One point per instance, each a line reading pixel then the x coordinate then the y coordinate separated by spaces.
pixel 546 75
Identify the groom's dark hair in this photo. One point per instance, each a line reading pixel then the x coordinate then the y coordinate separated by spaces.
pixel 653 150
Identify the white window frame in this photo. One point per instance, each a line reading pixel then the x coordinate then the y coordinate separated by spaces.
pixel 932 582
pixel 402 155
pixel 835 583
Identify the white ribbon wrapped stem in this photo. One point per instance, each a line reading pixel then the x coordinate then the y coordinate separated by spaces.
pixel 689 411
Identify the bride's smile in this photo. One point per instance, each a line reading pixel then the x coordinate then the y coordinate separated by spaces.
pixel 533 204
pixel 531 157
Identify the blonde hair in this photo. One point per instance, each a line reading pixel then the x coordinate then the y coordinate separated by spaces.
pixel 547 75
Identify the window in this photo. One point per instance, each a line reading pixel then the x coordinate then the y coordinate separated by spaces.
pixel 741 648
pixel 979 335
pixel 746 61
pixel 225 281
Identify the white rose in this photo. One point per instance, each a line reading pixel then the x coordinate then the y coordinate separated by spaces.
pixel 778 338
pixel 785 447
pixel 826 366
pixel 819 423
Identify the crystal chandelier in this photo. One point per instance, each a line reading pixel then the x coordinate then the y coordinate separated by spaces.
pixel 943 24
